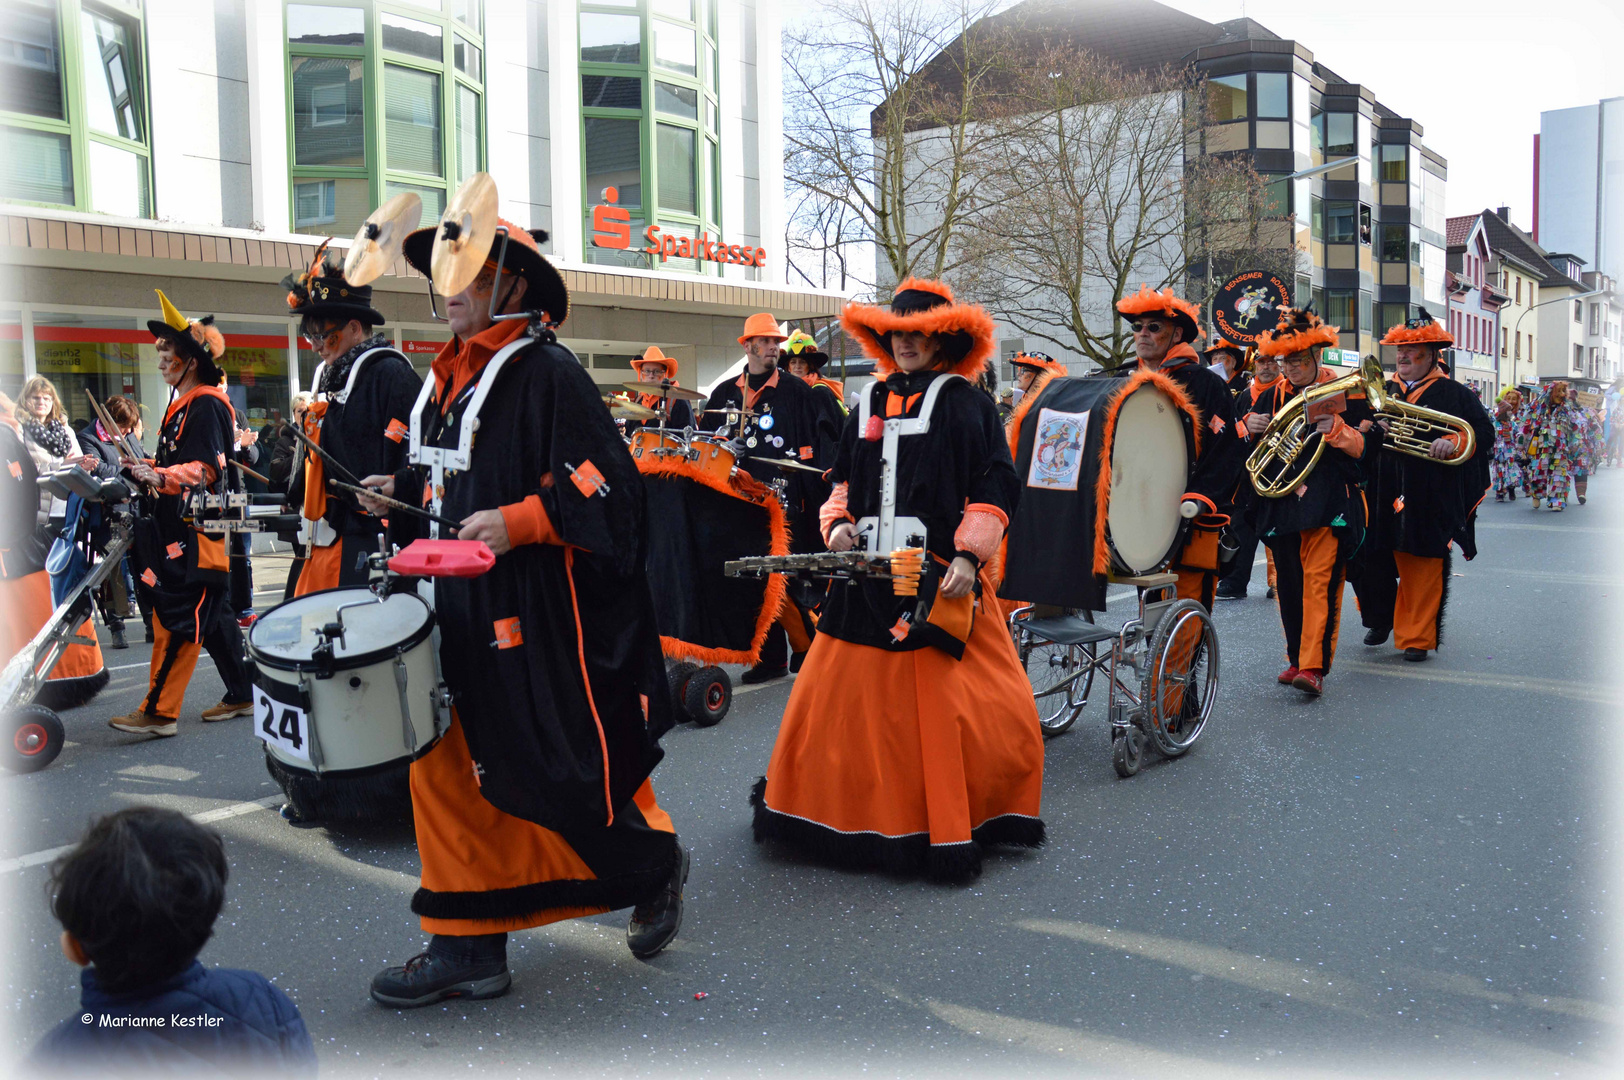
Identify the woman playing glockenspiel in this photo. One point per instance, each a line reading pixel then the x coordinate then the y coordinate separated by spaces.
pixel 911 739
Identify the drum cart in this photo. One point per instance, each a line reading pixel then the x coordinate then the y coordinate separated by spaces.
pixel 1161 669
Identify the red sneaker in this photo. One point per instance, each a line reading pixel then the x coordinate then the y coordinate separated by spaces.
pixel 1310 681
pixel 246 621
pixel 1288 675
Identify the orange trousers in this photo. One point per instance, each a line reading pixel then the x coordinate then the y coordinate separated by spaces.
pixel 1420 596
pixel 1310 570
pixel 468 845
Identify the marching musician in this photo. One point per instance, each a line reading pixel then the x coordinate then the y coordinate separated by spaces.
pixel 654 367
pixel 1238 578
pixel 770 414
pixel 801 356
pixel 1227 360
pixel 186 571
pixel 911 738
pixel 1312 531
pixel 1030 367
pixel 535 805
pixel 1420 508
pixel 1164 330
pixel 364 393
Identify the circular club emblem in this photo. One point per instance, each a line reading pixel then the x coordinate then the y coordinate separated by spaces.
pixel 767 422
pixel 1248 304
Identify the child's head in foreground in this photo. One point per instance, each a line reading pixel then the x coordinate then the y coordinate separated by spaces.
pixel 138 896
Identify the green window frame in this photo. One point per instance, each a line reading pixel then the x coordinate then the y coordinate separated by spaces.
pixel 406 110
pixel 675 107
pixel 105 121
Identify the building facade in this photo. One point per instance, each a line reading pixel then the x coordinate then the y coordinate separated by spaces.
pixel 207 148
pixel 1475 302
pixel 1579 184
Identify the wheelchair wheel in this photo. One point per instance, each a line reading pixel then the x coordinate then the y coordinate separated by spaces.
pixel 1061 678
pixel 1128 752
pixel 1182 679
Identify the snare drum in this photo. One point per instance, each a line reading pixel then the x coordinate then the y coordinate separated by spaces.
pixel 716 459
pixel 346 681
pixel 654 442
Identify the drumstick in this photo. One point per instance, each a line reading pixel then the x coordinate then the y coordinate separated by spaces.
pixel 325 456
pixel 396 504
pixel 250 472
pixel 122 439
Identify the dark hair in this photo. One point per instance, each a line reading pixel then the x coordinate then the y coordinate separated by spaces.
pixel 123 411
pixel 140 894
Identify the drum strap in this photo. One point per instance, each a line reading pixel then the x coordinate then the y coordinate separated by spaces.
pixel 318 531
pixel 886 539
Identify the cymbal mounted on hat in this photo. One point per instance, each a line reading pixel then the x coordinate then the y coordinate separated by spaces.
pixel 378 244
pixel 463 238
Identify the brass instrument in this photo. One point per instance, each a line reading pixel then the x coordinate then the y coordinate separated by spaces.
pixel 1411 429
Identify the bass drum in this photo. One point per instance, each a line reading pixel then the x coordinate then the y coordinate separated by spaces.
pixel 346 695
pixel 1126 431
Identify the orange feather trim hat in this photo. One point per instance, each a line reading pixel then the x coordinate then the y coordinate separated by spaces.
pixel 653 355
pixel 964 332
pixel 1299 329
pixel 1148 302
pixel 1042 363
pixel 1221 343
pixel 1421 330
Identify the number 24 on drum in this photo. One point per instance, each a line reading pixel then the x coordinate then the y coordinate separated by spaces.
pixel 281 724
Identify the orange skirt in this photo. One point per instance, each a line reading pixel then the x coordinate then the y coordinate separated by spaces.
pixel 907 760
pixel 25 607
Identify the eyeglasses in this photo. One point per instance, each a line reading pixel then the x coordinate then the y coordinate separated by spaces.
pixel 1147 327
pixel 1295 361
pixel 323 338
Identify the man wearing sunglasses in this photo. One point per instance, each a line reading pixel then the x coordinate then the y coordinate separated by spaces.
pixel 364 390
pixel 1164 329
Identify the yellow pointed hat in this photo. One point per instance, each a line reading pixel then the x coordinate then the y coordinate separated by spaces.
pixel 198 339
pixel 172 315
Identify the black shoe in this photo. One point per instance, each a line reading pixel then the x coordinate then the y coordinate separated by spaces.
pixel 1270 594
pixel 1377 635
pixel 118 638
pixel 1415 654
pixel 149 639
pixel 762 673
pixel 427 978
pixel 795 662
pixel 1581 500
pixel 1229 592
pixel 656 922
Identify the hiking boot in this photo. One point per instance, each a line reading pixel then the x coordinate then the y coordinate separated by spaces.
pixel 118 637
pixel 655 922
pixel 1270 594
pixel 429 977
pixel 224 711
pixel 141 722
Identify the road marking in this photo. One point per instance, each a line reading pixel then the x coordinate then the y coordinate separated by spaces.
pixel 1556 577
pixel 148 663
pixel 23 862
pixel 1547 528
pixel 1600 695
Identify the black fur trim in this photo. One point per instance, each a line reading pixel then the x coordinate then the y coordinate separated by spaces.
pixel 1443 595
pixel 381 795
pixel 624 891
pixel 59 694
pixel 901 854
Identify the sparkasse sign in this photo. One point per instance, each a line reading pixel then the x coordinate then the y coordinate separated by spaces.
pixel 611 228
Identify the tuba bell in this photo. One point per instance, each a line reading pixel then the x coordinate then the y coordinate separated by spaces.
pixel 1277 464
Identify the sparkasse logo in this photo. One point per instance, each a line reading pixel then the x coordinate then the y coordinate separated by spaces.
pixel 611 228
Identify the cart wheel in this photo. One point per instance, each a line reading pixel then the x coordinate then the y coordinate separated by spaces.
pixel 34 738
pixel 708 696
pixel 676 678
pixel 1127 752
pixel 1182 679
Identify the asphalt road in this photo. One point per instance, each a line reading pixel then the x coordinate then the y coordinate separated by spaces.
pixel 1411 874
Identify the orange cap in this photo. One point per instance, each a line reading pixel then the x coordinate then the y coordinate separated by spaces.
pixel 761 324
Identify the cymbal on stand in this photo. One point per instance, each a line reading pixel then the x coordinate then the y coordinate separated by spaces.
pixel 679 392
pixel 462 240
pixel 621 409
pixel 378 243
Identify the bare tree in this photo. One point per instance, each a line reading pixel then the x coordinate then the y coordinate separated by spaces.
pixel 1097 183
pixel 884 103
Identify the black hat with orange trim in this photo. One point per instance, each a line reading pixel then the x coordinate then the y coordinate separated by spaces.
pixel 1038 362
pixel 545 291
pixel 1298 329
pixel 1147 303
pixel 1421 330
pixel 963 332
pixel 320 291
pixel 195 339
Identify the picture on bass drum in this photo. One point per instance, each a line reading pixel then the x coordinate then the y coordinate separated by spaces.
pixel 1104 462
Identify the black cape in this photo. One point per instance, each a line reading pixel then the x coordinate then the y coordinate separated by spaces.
pixel 1333 494
pixel 1217 466
pixel 543 735
pixel 1418 506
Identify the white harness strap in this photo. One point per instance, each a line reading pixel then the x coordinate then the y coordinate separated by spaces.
pixel 887 532
pixel 442 460
pixel 319 532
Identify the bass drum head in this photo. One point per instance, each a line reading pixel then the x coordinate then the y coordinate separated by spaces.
pixel 284 636
pixel 1148 477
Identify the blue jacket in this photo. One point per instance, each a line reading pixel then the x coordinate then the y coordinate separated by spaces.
pixel 201 1020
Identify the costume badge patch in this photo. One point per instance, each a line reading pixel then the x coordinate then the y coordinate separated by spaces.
pixel 175 550
pixel 396 431
pixel 1057 450
pixel 507 633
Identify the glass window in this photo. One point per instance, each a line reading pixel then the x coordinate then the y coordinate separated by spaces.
pixel 1277 197
pixel 330 207
pixel 1340 222
pixel 31 61
pixel 329 125
pixel 1395 162
pixel 467 133
pixel 433 197
pixel 713 116
pixel 467 59
pixel 1273 95
pixel 38 166
pixel 716 180
pixel 676 165
pixel 412 37
pixel 1339 134
pixel 1317 217
pixel 112 91
pixel 1364 312
pixel 118 181
pixel 611 92
pixel 675 9
pixel 1339 308
pixel 311 25
pixel 1364 224
pixel 1273 135
pixel 412 120
pixel 676 100
pixel 611 39
pixel 675 49
pixel 1226 98
pixel 467 13
pixel 614 158
pixel 1395 245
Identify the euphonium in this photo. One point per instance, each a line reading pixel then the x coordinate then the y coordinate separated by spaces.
pixel 1276 465
pixel 1411 430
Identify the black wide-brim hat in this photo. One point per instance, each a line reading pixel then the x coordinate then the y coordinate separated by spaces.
pixel 195 339
pixel 347 302
pixel 546 290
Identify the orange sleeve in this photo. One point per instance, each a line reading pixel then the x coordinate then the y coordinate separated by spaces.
pixel 171 478
pixel 527 523
pixel 1346 438
pixel 980 531
pixel 833 510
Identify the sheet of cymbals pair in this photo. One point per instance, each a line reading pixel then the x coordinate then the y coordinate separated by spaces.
pixel 379 242
pixel 462 237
